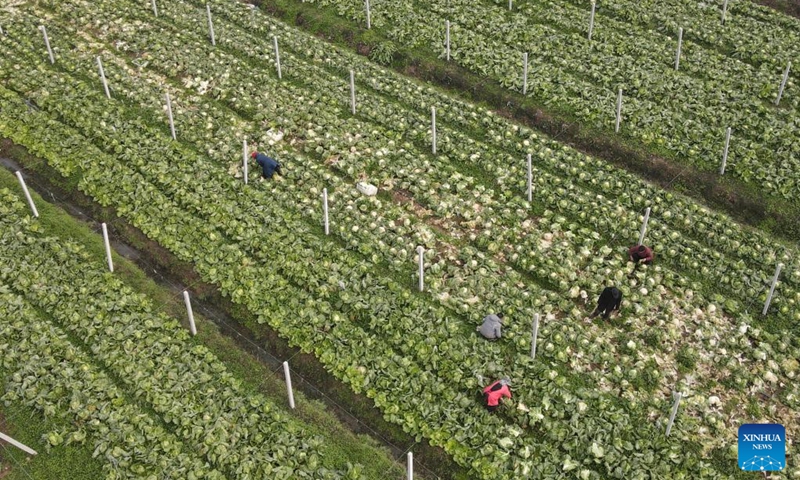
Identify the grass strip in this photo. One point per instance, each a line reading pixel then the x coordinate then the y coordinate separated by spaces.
pixel 27 425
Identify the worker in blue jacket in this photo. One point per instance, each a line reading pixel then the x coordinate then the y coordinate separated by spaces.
pixel 268 165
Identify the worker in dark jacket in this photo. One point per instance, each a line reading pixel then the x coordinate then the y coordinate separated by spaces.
pixel 268 165
pixel 609 300
pixel 640 253
pixel 495 392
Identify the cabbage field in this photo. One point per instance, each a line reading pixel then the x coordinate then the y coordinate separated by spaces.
pixel 79 344
pixel 729 74
pixel 594 403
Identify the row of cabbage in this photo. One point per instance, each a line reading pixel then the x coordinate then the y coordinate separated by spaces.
pixel 47 372
pixel 504 138
pixel 626 189
pixel 195 137
pixel 493 292
pixel 44 370
pixel 748 31
pixel 139 358
pixel 680 111
pixel 755 34
pixel 444 197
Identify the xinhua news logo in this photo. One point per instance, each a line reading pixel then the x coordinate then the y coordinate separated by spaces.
pixel 762 447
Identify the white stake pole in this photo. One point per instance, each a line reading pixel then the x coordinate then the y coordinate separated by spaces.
pixel 108 248
pixel 244 161
pixel 530 178
pixel 210 25
pixel 325 209
pixel 678 52
pixel 591 20
pixel 27 194
pixel 510 4
pixel 188 303
pixel 155 9
pixel 433 129
pixel 525 73
pixel 103 77
pixel 643 230
pixel 369 14
pixel 47 43
pixel 447 38
pixel 288 375
pixel 421 254
pixel 2 32
pixel 772 289
pixel 677 396
pixel 725 153
pixel 352 92
pixel 21 446
pixel 277 56
pixel 724 10
pixel 535 334
pixel 619 110
pixel 783 82
pixel 171 120
pixel 410 466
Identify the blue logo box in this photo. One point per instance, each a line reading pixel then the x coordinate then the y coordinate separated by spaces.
pixel 762 447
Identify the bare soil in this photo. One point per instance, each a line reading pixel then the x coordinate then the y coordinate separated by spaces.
pixel 789 7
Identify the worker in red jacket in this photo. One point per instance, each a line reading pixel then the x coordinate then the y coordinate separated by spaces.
pixel 640 253
pixel 495 392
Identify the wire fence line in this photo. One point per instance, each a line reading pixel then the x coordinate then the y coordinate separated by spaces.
pixel 230 329
pixel 17 457
pixel 15 462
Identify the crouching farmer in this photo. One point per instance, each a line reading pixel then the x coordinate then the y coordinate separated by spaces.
pixel 495 392
pixel 641 254
pixel 492 327
pixel 609 300
pixel 269 166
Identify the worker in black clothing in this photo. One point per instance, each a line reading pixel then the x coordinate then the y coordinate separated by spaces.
pixel 609 300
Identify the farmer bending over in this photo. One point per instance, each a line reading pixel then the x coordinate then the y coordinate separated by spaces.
pixel 267 164
pixel 492 326
pixel 495 392
pixel 640 253
pixel 609 300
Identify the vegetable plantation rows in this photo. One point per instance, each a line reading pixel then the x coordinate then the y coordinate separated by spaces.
pixel 341 298
pixel 434 195
pixel 87 396
pixel 729 75
pixel 130 377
